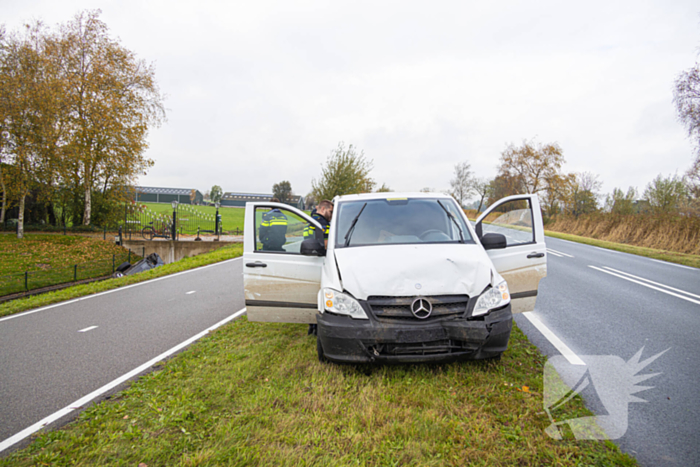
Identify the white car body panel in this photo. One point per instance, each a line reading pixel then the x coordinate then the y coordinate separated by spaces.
pixel 412 270
pixel 519 264
pixel 388 270
pixel 286 279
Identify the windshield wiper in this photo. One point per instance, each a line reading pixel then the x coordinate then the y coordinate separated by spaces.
pixel 449 214
pixel 352 226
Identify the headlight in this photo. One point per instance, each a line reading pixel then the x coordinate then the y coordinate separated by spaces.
pixel 495 297
pixel 342 304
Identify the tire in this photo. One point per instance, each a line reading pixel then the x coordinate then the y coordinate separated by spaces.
pixel 147 233
pixel 124 266
pixel 319 351
pixel 118 274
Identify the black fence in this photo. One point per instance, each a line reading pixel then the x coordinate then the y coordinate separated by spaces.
pixel 141 222
pixel 37 279
pixel 137 222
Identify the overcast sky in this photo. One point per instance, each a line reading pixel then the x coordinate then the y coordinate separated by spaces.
pixel 262 91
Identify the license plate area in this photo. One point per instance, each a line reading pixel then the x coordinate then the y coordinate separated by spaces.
pixel 424 335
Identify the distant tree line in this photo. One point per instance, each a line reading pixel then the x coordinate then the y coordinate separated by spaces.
pixel 75 110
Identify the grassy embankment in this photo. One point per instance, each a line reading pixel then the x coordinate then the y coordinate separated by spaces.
pixel 672 239
pixel 51 259
pixel 37 301
pixel 253 393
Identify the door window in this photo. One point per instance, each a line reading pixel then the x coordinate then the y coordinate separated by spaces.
pixel 512 219
pixel 278 230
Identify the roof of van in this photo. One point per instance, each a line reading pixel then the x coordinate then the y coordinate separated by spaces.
pixel 390 195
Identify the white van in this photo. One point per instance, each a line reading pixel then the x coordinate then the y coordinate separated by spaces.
pixel 405 276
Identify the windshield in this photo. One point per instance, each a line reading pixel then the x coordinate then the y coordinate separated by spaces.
pixel 400 221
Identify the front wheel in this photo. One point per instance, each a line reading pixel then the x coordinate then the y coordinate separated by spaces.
pixel 148 233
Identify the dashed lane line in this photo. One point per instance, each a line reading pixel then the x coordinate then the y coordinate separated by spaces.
pixel 118 289
pixel 16 438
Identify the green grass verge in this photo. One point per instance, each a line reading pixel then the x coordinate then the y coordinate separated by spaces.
pixel 23 304
pixel 39 252
pixel 253 393
pixel 41 260
pixel 231 218
pixel 663 255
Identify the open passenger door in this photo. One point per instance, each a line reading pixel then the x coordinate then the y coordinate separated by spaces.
pixel 523 261
pixel 281 285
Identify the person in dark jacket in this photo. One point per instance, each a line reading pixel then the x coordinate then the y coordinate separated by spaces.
pixel 273 229
pixel 323 214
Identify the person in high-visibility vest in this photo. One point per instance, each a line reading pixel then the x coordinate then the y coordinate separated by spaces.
pixel 323 214
pixel 273 229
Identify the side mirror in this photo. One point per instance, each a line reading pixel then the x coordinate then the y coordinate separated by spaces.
pixel 493 241
pixel 313 247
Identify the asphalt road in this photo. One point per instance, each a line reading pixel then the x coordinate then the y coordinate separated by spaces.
pixel 589 301
pixel 54 357
pixel 596 313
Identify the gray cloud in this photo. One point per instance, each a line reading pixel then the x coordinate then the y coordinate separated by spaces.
pixel 260 92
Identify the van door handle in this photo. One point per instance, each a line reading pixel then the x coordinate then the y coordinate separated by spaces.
pixel 256 264
pixel 535 255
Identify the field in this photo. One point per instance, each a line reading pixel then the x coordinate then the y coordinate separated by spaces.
pixel 253 393
pixel 231 218
pixel 54 259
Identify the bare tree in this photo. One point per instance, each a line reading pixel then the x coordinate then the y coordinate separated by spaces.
pixel 462 183
pixel 482 187
pixel 686 96
pixel 582 193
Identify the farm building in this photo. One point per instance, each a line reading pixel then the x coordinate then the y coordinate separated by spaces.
pixel 149 194
pixel 239 199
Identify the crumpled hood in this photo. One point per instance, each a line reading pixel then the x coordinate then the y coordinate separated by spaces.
pixel 410 270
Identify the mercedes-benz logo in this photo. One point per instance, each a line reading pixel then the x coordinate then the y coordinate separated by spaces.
pixel 421 308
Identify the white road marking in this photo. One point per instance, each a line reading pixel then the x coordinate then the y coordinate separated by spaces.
pixel 107 387
pixel 88 329
pixel 652 282
pixel 118 289
pixel 673 264
pixel 555 341
pixel 559 253
pixel 190 292
pixel 553 253
pixel 647 285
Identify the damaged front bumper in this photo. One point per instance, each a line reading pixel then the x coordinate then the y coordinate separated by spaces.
pixel 346 340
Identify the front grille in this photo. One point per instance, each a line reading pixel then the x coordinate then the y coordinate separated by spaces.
pixel 441 347
pixel 400 307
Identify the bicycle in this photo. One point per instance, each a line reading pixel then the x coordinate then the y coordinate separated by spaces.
pixel 149 232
